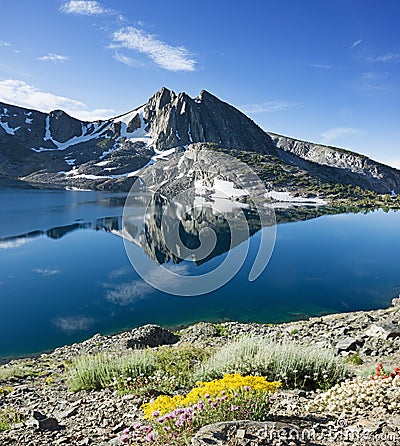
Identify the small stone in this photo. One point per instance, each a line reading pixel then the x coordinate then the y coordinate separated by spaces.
pixel 66 413
pixel 347 344
pixel 36 415
pixel 119 427
pixel 240 433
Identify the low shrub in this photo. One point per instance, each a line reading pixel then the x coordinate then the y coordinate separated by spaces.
pixel 176 364
pixel 295 365
pixel 360 395
pixel 166 369
pixel 94 372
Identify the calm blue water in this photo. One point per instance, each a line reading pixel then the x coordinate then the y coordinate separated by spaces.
pixel 64 276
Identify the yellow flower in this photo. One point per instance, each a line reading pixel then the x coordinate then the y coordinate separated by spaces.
pixel 228 385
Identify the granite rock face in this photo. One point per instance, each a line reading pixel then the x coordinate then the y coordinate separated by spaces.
pixel 336 164
pixel 178 120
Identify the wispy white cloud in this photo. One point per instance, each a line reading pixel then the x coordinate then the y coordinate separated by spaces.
pixel 371 83
pixel 387 57
pixel 91 115
pixel 267 107
pixel 168 57
pixel 47 271
pixel 321 66
pixel 123 271
pixel 55 58
pixel 4 43
pixel 127 60
pixel 82 7
pixel 25 95
pixel 331 135
pixel 369 75
pixel 356 43
pixel 73 323
pixel 127 293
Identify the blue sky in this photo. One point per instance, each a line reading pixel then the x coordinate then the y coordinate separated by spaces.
pixel 325 71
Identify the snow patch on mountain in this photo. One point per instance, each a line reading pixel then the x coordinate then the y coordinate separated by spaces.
pixel 8 129
pixel 89 132
pixel 287 197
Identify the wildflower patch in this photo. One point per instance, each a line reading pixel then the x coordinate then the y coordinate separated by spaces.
pixel 173 420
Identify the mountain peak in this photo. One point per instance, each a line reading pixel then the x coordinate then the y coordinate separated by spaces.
pixel 178 120
pixel 162 97
pixel 204 94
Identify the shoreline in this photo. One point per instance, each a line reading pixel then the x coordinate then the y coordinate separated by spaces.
pixel 182 328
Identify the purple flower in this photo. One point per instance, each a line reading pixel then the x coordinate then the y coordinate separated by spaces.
pixel 124 438
pixel 156 413
pixel 150 437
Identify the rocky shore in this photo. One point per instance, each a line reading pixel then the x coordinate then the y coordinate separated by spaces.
pixel 53 415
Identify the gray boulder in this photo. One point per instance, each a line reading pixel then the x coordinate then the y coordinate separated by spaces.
pixel 247 433
pixel 42 422
pixel 151 335
pixel 384 330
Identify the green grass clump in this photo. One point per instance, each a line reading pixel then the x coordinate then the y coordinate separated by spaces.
pixel 354 359
pixel 8 417
pixel 293 364
pixel 94 372
pixel 18 371
pixel 176 364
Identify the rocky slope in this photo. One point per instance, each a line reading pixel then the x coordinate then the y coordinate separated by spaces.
pixel 58 150
pixel 56 416
pixel 337 164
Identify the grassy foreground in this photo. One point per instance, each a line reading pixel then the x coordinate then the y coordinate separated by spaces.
pixel 184 387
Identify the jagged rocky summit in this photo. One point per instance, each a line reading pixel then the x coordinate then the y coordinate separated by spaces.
pixel 57 150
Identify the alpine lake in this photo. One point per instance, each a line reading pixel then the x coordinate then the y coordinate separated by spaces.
pixel 65 273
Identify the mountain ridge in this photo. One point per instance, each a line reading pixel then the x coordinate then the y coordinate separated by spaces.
pixel 57 150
